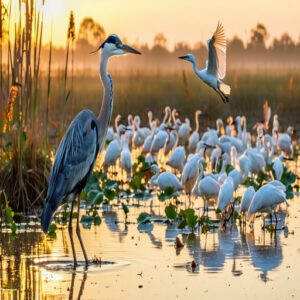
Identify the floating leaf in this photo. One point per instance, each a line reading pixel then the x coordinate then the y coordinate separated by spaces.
pixel 97 220
pixel 109 194
pixel 144 218
pixel 94 197
pixel 170 211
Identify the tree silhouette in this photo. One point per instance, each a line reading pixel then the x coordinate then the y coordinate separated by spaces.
pixel 160 40
pixel 90 32
pixel 259 35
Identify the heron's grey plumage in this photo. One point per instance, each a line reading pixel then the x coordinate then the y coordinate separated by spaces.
pixel 74 161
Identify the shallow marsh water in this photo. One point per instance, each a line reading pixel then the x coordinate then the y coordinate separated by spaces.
pixel 140 261
pixel 146 264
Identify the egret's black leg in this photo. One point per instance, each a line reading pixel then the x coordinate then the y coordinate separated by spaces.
pixel 79 234
pixel 70 228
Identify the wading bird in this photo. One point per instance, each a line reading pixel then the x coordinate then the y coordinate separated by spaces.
pixel 215 69
pixel 78 150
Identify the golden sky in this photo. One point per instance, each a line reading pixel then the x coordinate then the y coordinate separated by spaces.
pixel 185 20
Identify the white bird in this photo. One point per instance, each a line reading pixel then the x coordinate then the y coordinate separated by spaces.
pixel 190 173
pixel 194 137
pixel 110 131
pixel 113 149
pixel 278 167
pixel 246 199
pixel 215 69
pixel 226 194
pixel 265 200
pixel 171 143
pixel 164 180
pixel 125 161
pixel 148 141
pixel 184 132
pixel 206 187
pixel 177 158
pixel 159 139
pixel 284 142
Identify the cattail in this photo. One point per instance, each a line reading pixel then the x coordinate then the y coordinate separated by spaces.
pixel 10 106
pixel 185 83
pixel 71 28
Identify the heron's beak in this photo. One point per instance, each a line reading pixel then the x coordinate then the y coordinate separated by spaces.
pixel 128 129
pixel 182 57
pixel 287 158
pixel 129 49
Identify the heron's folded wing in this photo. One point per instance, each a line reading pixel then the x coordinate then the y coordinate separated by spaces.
pixel 74 157
pixel 217 53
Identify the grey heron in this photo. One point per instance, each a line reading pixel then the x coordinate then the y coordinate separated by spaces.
pixel 215 69
pixel 78 149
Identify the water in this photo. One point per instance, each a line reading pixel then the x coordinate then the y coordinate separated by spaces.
pixel 145 264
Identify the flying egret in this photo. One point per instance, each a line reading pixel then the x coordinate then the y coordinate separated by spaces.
pixel 215 69
pixel 78 150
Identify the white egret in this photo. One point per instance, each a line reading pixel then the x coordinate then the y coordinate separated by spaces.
pixel 113 149
pixel 125 161
pixel 194 137
pixel 284 142
pixel 164 180
pixel 215 69
pixel 176 161
pixel 226 194
pixel 278 167
pixel 266 200
pixel 184 132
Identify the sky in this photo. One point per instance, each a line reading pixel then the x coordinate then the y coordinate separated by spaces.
pixel 186 20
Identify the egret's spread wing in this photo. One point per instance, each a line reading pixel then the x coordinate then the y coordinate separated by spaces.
pixel 217 53
pixel 74 158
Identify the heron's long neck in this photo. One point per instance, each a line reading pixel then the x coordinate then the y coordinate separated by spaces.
pixel 104 116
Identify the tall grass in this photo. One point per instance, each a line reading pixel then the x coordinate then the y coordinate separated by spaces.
pixel 24 164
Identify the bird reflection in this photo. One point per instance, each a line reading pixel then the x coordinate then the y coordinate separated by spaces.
pixel 111 220
pixel 172 232
pixel 81 288
pixel 266 255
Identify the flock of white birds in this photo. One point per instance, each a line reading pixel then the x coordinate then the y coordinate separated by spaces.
pixel 172 145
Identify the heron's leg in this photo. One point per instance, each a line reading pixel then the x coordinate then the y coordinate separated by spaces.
pixel 78 232
pixel 70 228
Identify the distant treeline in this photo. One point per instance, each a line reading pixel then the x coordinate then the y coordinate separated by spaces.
pixel 259 53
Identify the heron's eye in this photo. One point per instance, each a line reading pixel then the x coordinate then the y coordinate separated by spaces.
pixel 118 45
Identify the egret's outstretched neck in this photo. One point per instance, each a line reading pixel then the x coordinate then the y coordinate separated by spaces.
pixel 104 116
pixel 196 70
